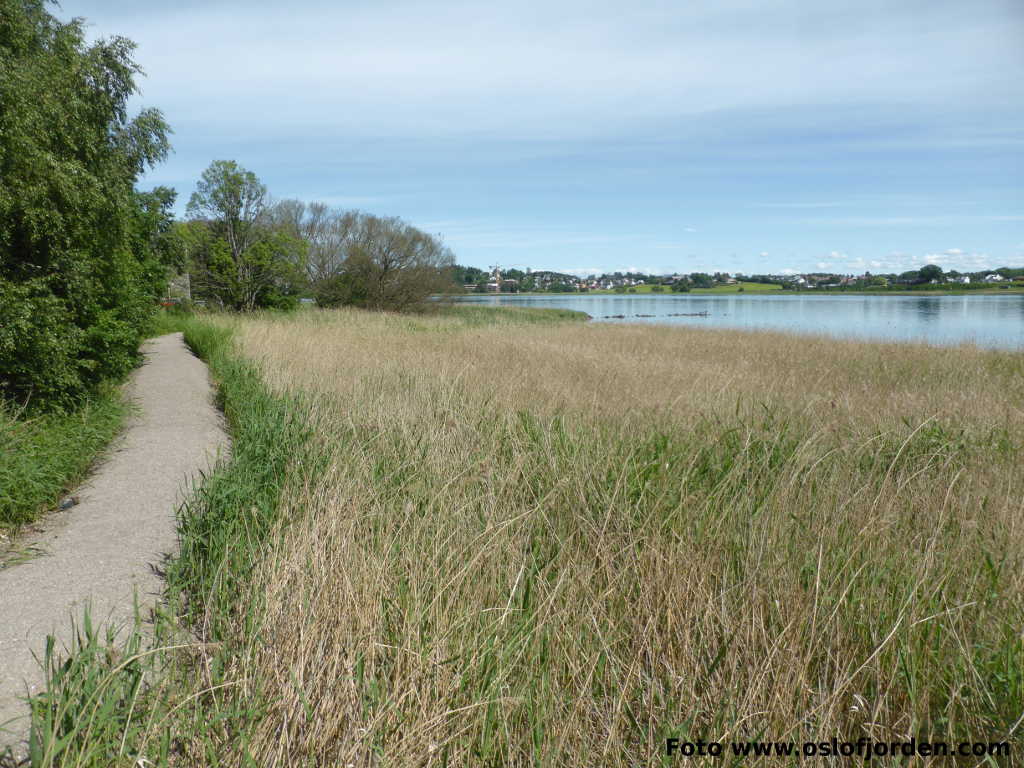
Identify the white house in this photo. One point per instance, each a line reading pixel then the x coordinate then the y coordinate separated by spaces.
pixel 994 278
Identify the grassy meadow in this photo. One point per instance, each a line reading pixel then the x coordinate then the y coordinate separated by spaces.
pixel 476 538
pixel 743 286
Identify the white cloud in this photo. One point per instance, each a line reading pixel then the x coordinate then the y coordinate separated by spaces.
pixel 867 222
pixel 586 271
pixel 953 258
pixel 530 68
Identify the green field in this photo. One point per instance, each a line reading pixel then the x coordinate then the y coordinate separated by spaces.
pixel 745 286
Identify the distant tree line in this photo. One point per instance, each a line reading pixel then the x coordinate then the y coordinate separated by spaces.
pixel 246 252
pixel 928 277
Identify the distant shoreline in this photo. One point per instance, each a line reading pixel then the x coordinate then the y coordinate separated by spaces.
pixel 780 292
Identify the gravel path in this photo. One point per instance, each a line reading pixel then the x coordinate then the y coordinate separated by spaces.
pixel 103 550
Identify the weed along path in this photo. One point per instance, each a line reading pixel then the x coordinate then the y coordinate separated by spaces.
pixel 109 547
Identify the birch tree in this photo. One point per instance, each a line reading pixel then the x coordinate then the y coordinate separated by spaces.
pixel 242 263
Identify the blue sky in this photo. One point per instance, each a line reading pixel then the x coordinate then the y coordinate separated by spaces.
pixel 741 136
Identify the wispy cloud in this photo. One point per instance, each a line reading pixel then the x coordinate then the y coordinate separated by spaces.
pixel 581 66
pixel 882 221
pixel 796 206
pixel 573 133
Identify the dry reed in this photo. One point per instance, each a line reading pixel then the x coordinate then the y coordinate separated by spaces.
pixel 559 545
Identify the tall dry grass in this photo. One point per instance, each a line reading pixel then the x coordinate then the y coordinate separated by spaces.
pixel 559 545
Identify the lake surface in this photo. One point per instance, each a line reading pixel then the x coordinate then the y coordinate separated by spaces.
pixel 988 320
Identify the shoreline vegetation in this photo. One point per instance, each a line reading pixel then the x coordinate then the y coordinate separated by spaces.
pixel 1011 290
pixel 929 279
pixel 506 538
pixel 762 289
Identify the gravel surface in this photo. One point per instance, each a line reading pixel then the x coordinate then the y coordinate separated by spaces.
pixel 108 547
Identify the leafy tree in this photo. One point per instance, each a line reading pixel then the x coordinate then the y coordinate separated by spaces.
pixel 929 273
pixel 388 264
pixel 468 275
pixel 241 261
pixel 910 276
pixel 155 235
pixel 702 280
pixel 81 254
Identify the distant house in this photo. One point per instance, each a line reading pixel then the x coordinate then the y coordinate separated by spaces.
pixel 963 279
pixel 994 278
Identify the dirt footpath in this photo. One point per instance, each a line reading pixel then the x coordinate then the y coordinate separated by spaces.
pixel 102 550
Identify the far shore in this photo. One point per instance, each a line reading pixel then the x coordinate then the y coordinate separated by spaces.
pixel 780 292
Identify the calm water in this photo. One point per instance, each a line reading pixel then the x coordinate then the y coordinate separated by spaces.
pixel 990 320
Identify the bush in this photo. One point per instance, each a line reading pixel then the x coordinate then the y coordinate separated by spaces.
pixel 48 454
pixel 384 264
pixel 37 347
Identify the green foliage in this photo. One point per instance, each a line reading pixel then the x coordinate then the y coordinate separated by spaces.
pixel 910 276
pixel 229 519
pixel 562 288
pixel 702 280
pixel 240 260
pixel 45 455
pixel 385 264
pixel 81 256
pixel 469 275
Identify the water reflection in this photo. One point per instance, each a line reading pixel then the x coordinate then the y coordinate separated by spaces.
pixel 990 320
